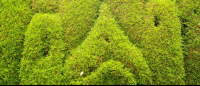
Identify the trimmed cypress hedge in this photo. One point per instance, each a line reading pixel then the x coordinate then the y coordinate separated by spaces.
pixel 109 73
pixel 43 53
pixel 78 17
pixel 129 15
pixel 190 18
pixel 15 15
pixel 162 43
pixel 106 41
pixel 107 55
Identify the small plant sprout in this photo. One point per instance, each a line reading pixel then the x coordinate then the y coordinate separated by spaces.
pixel 81 73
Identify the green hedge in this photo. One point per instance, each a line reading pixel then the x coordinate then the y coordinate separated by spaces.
pixel 153 26
pixel 78 17
pixel 109 73
pixel 162 43
pixel 129 15
pixel 45 6
pixel 15 15
pixel 190 18
pixel 43 53
pixel 106 41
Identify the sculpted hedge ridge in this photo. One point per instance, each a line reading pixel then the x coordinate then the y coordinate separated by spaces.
pixel 162 43
pixel 43 53
pixel 104 42
pixel 78 17
pixel 132 42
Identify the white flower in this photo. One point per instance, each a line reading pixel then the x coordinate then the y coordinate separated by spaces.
pixel 81 73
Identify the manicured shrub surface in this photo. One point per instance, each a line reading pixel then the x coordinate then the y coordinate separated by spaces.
pixel 45 6
pixel 110 73
pixel 15 15
pixel 78 17
pixel 99 42
pixel 162 43
pixel 190 19
pixel 106 41
pixel 129 15
pixel 43 53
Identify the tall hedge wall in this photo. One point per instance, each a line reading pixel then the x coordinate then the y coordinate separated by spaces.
pixel 43 53
pixel 78 17
pixel 162 43
pixel 190 19
pixel 106 41
pixel 15 15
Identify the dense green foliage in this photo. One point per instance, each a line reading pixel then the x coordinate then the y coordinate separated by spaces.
pixel 190 18
pixel 43 51
pixel 15 15
pixel 126 42
pixel 162 42
pixel 45 6
pixel 129 14
pixel 110 73
pixel 106 41
pixel 78 16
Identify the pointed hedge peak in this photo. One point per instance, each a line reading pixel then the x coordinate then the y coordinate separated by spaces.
pixel 106 27
pixel 129 15
pixel 104 42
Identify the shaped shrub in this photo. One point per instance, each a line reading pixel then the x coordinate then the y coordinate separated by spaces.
pixel 78 17
pixel 129 15
pixel 43 53
pixel 106 41
pixel 190 19
pixel 110 73
pixel 15 15
pixel 45 6
pixel 162 43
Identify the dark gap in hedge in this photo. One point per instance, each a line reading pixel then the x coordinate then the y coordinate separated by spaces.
pixel 97 15
pixel 107 39
pixel 184 26
pixel 156 21
pixel 46 49
pixel 195 11
pixel 45 53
